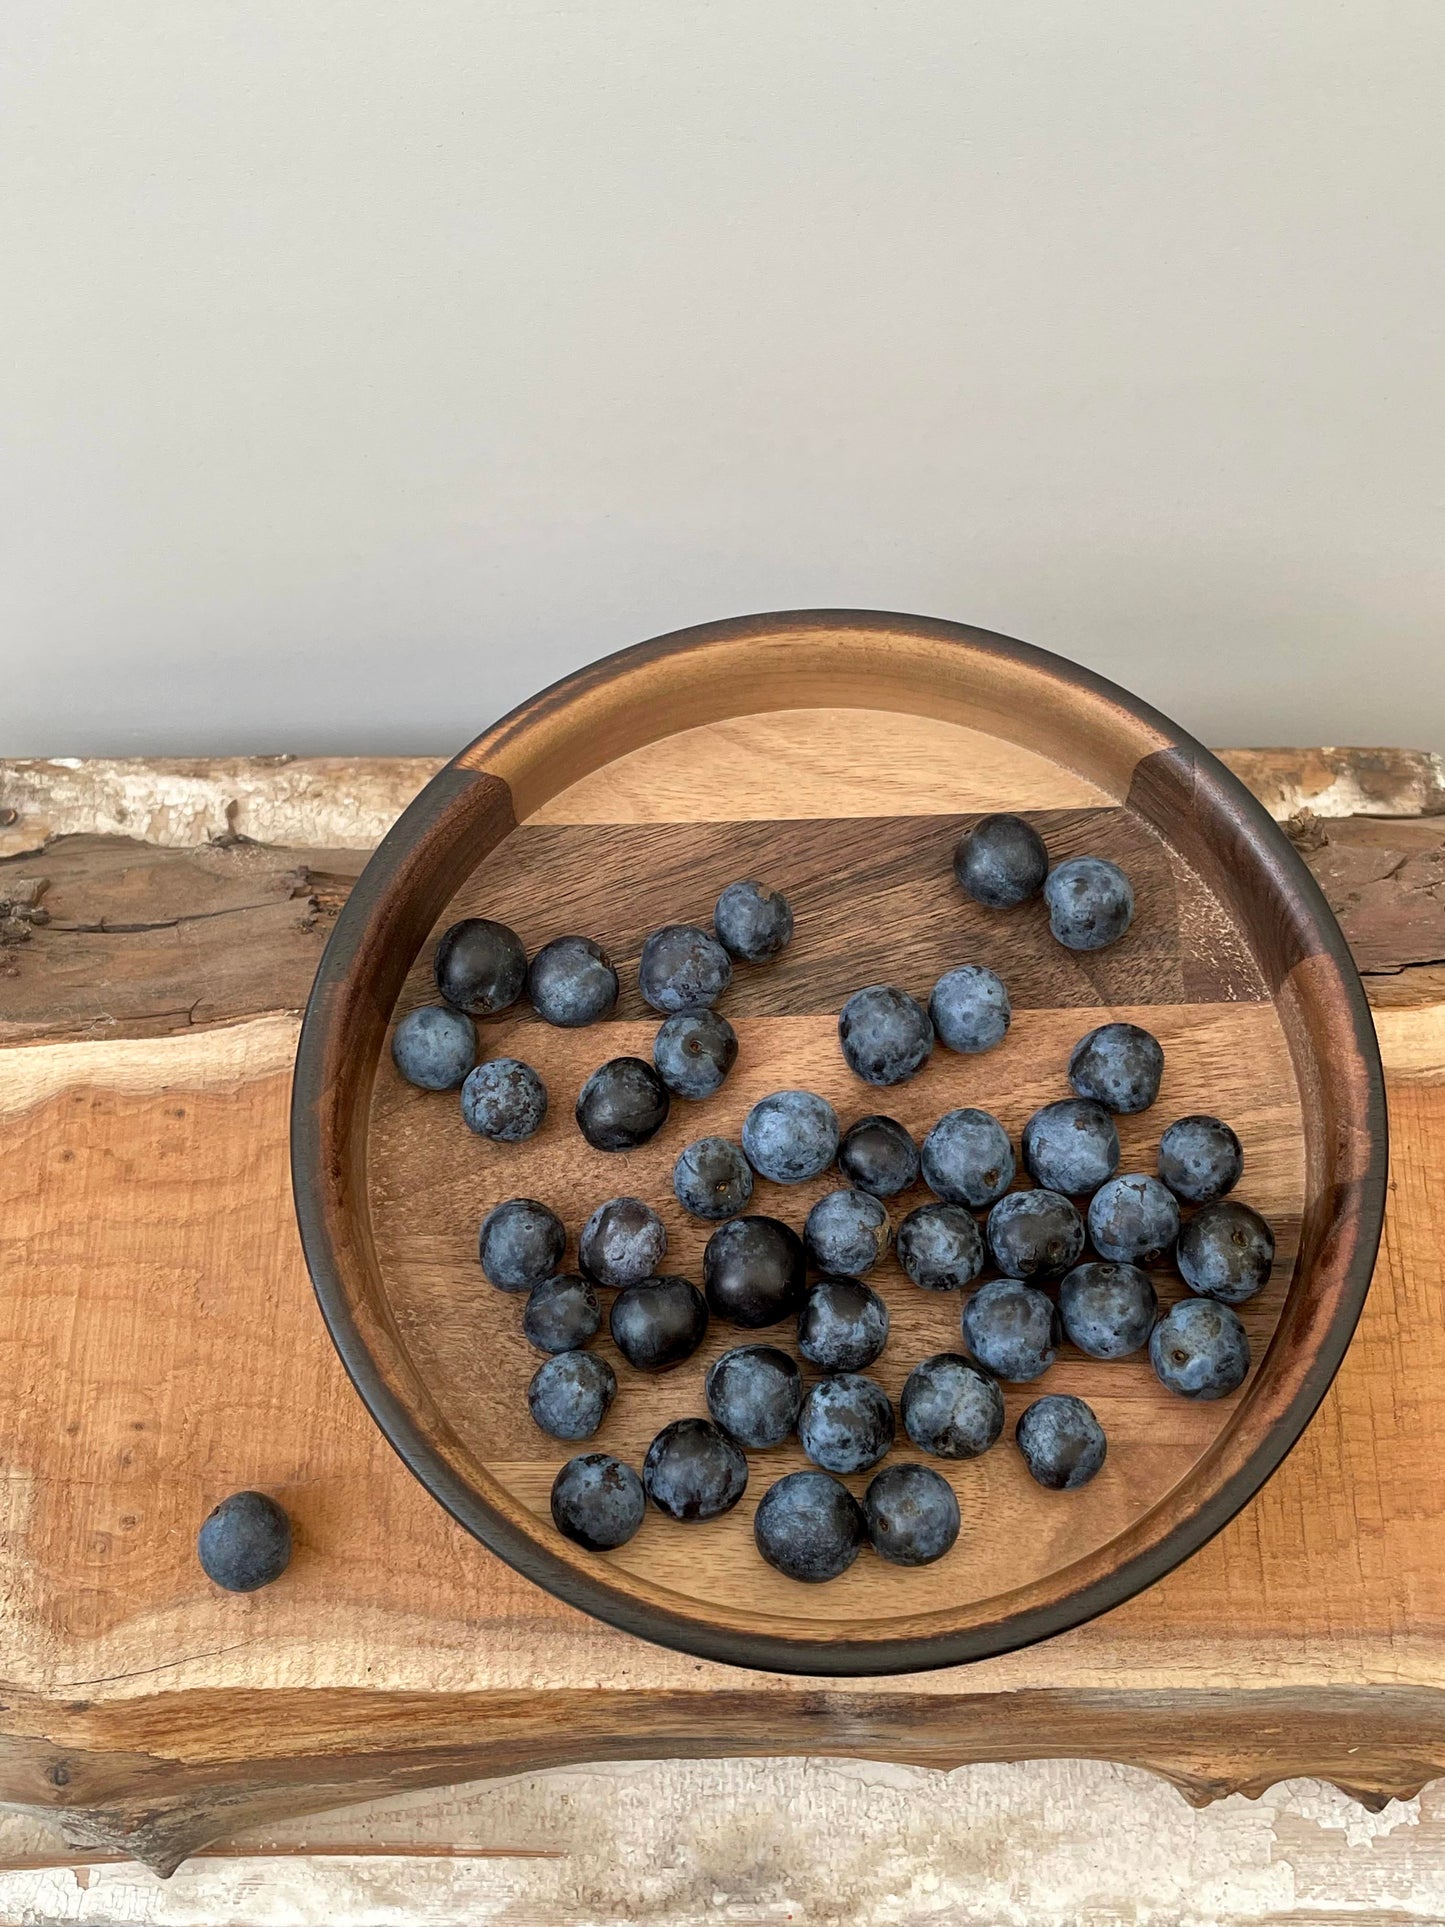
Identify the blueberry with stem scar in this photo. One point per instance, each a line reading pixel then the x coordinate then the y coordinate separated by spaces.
pixel 694 1051
pixel 623 1242
pixel 912 1515
pixel 1200 1159
pixel 480 966
pixel 1035 1234
pixel 967 1158
pixel 1226 1251
pixel 1200 1349
pixel 520 1241
pixel 951 1408
pixel 712 1179
pixel 846 1233
pixel 1091 903
pixel 1133 1220
pixel 940 1247
pixel 970 1009
pixel 753 923
pixel 1071 1146
pixel 846 1424
pixel 1108 1310
pixel 1118 1066
pixel 245 1542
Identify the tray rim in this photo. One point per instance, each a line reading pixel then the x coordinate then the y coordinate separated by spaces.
pixel 316 1175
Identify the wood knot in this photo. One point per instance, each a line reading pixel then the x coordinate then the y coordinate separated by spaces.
pixel 59 1774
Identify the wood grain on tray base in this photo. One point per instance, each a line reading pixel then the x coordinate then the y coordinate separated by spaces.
pixel 157 1250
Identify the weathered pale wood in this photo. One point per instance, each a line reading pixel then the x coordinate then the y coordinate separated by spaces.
pixel 1330 1579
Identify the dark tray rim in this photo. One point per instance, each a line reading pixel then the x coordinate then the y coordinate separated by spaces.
pixel 589 1590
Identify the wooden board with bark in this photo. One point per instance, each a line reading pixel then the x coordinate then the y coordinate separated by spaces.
pixel 163 1348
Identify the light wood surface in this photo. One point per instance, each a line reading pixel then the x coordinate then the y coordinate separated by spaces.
pixel 159 1327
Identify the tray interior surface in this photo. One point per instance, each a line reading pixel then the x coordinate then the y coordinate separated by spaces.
pixel 854 814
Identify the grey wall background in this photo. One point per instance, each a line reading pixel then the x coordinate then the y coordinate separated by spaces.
pixel 364 366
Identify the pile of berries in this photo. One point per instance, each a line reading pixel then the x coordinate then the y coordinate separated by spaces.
pixel 1072 1251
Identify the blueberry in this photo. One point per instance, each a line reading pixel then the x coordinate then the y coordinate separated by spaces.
pixel 623 1242
pixel 694 1051
pixel 1226 1251
pixel 1200 1350
pixel 940 1247
pixel 693 1471
pixel 1035 1234
pixel 878 1156
pixel 1091 903
pixel 520 1242
pixel 682 968
pixel 791 1136
pixel 753 1271
pixel 1118 1066
pixel 951 1408
pixel 1200 1159
pixel 569 1394
pixel 504 1099
pixel 967 1158
pixel 712 1178
pixel 809 1527
pixel 1011 1329
pixel 480 966
pixel 1133 1220
pixel 846 1423
pixel 659 1323
pixel 562 1314
pixel 754 1393
pixel 1071 1146
pixel 911 1514
pixel 434 1047
pixel 597 1502
pixel 753 923
pixel 623 1104
pixel 1062 1442
pixel 1001 862
pixel 572 982
pixel 846 1232
pixel 1108 1310
pixel 843 1326
pixel 970 1009
pixel 245 1542
pixel 886 1034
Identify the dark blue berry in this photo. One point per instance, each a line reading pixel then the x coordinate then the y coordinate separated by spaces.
pixel 809 1527
pixel 886 1034
pixel 1118 1066
pixel 753 923
pixel 693 1471
pixel 434 1047
pixel 950 1408
pixel 1200 1349
pixel 846 1424
pixel 911 1513
pixel 480 966
pixel 659 1323
pixel 1035 1234
pixel 970 1009
pixel 569 1394
pixel 504 1099
pixel 1071 1146
pixel 1062 1442
pixel 1108 1310
pixel 1226 1251
pixel 754 1393
pixel 1011 1329
pixel 562 1314
pixel 597 1502
pixel 791 1136
pixel 843 1326
pixel 245 1542
pixel 682 968
pixel 712 1179
pixel 753 1271
pixel 623 1104
pixel 1001 862
pixel 846 1233
pixel 572 982
pixel 1200 1159
pixel 694 1051
pixel 967 1158
pixel 1091 903
pixel 1133 1220
pixel 623 1242
pixel 940 1247
pixel 520 1242
pixel 878 1156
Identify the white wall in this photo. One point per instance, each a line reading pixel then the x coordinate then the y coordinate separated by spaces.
pixel 365 366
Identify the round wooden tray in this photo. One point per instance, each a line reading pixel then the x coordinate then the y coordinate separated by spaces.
pixel 837 755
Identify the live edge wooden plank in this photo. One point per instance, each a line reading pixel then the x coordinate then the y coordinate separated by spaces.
pixel 146 1713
